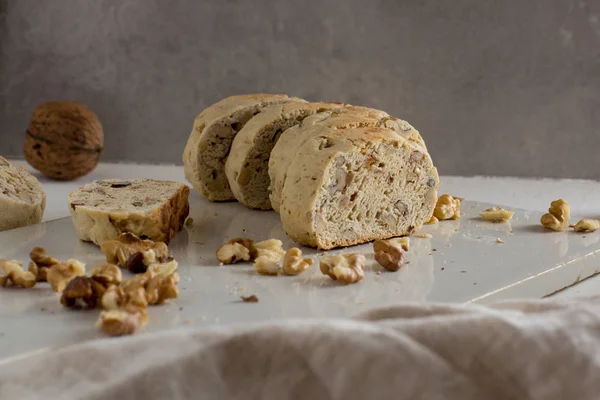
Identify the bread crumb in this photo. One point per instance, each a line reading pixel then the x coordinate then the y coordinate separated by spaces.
pixel 424 235
pixel 200 243
pixel 189 321
pixel 216 214
pixel 378 273
pixel 463 271
pixel 499 241
pixel 249 299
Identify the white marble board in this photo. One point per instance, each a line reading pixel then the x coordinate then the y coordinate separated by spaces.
pixel 462 262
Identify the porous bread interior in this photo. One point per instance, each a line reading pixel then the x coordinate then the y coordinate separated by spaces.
pixel 214 148
pixel 136 195
pixel 254 178
pixel 377 190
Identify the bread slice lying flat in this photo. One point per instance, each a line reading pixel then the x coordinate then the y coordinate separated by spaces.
pixel 22 199
pixel 355 185
pixel 291 140
pixel 209 143
pixel 247 167
pixel 150 209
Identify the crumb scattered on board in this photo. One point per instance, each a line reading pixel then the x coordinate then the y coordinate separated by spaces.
pixel 463 271
pixel 424 235
pixel 249 299
pixel 189 321
pixel 499 241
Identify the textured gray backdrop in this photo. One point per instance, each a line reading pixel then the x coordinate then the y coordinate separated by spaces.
pixel 498 87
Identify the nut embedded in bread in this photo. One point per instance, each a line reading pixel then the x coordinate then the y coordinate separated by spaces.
pixel 22 199
pixel 210 141
pixel 353 186
pixel 284 151
pixel 148 208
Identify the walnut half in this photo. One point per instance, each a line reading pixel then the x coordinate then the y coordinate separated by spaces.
pixel 60 274
pixel 447 207
pixel 293 263
pixel 346 268
pixel 119 322
pixel 587 225
pixel 236 250
pixel 40 263
pixel 12 274
pixel 558 216
pixel 389 254
pixel 119 250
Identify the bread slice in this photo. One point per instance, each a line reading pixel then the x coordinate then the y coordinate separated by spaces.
pixel 247 167
pixel 148 208
pixel 209 143
pixel 291 140
pixel 355 185
pixel 22 199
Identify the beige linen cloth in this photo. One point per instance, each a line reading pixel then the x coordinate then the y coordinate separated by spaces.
pixel 517 350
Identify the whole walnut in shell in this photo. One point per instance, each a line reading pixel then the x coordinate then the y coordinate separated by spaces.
pixel 64 140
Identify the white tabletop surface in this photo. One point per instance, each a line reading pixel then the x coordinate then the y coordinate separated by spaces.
pixel 531 194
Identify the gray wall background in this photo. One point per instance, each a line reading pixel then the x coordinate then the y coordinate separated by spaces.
pixel 497 87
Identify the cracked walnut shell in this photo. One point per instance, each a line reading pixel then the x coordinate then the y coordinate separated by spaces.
pixel 346 268
pixel 12 274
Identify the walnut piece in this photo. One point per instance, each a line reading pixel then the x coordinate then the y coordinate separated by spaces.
pixel 432 220
pixel 558 216
pixel 139 262
pixel 587 225
pixel 163 269
pixel 389 254
pixel 249 299
pixel 271 248
pixel 119 250
pixel 132 300
pixel 12 274
pixel 161 288
pixel 447 207
pixel 40 263
pixel 82 292
pixel 119 322
pixel 346 268
pixel 264 265
pixel 59 275
pixel 496 214
pixel 236 250
pixel 107 274
pixel 293 263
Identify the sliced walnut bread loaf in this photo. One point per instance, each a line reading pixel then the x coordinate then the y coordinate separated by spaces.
pixel 22 199
pixel 148 208
pixel 209 143
pixel 291 140
pixel 351 186
pixel 247 167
